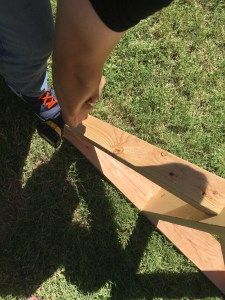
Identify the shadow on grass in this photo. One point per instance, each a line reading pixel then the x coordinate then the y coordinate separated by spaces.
pixel 37 235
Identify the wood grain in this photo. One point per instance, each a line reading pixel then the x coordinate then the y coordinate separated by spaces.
pixel 192 184
pixel 200 247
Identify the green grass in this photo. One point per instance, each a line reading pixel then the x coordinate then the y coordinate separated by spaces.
pixel 65 232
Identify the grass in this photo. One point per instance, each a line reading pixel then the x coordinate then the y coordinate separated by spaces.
pixel 66 233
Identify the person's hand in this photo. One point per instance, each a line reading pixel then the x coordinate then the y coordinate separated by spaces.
pixel 73 116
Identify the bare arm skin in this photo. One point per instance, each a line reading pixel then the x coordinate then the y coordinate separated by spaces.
pixel 82 45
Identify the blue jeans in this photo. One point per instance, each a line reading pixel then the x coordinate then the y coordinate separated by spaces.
pixel 26 38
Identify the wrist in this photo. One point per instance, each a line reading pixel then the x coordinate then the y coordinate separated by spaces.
pixel 77 94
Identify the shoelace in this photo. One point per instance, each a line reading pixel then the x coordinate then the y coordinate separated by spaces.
pixel 48 100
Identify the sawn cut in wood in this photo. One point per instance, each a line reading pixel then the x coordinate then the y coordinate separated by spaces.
pixel 155 199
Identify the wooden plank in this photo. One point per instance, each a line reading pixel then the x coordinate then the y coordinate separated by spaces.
pixel 213 229
pixel 167 207
pixel 200 247
pixel 218 220
pixel 167 204
pixel 192 184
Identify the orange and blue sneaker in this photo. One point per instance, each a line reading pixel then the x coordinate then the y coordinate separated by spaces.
pixel 47 109
pixel 46 106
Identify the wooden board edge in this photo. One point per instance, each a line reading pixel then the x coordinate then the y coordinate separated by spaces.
pixel 197 246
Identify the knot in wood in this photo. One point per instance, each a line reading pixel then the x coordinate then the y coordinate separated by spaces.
pixel 164 153
pixel 118 150
pixel 215 193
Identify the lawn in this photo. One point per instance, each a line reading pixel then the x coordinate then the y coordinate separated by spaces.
pixel 67 233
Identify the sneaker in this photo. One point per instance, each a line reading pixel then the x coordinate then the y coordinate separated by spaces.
pixel 46 107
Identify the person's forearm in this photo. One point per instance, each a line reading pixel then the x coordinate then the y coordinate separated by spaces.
pixel 75 85
pixel 82 45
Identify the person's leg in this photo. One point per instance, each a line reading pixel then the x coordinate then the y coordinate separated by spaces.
pixel 26 37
